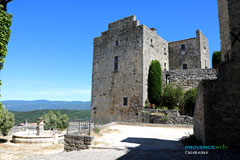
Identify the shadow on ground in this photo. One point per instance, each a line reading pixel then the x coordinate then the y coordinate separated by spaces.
pixel 3 140
pixel 159 149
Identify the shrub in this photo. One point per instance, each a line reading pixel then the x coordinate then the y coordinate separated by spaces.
pixel 146 104
pixel 164 107
pixel 190 140
pixel 216 58
pixel 55 120
pixel 6 120
pixel 164 119
pixel 176 108
pixel 189 101
pixel 172 96
pixel 96 130
pixel 155 83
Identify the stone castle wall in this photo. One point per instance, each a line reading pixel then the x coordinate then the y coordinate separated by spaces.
pixel 217 110
pixel 188 78
pixel 154 48
pixel 203 49
pixel 132 47
pixel 195 55
pixel 124 39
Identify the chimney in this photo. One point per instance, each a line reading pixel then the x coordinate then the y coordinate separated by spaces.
pixel 153 29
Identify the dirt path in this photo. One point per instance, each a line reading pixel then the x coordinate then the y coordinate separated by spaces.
pixel 125 136
pixel 117 141
pixel 11 151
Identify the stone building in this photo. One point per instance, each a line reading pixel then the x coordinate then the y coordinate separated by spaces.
pixel 121 60
pixel 217 110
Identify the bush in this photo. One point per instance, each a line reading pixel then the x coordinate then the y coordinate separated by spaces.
pixel 172 96
pixel 96 130
pixel 165 108
pixel 146 104
pixel 190 140
pixel 6 120
pixel 164 119
pixel 54 120
pixel 189 101
pixel 155 83
pixel 216 58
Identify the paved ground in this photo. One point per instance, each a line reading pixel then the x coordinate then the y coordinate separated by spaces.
pixel 124 142
pixel 130 143
pixel 12 151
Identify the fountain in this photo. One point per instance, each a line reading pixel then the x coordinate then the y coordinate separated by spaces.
pixel 38 136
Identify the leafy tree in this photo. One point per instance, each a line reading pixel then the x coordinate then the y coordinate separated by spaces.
pixel 189 101
pixel 155 83
pixel 216 58
pixel 55 120
pixel 5 23
pixel 172 96
pixel 4 4
pixel 6 120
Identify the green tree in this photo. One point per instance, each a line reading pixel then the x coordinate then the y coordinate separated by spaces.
pixel 172 96
pixel 5 24
pixel 189 101
pixel 4 3
pixel 55 120
pixel 155 83
pixel 216 58
pixel 6 120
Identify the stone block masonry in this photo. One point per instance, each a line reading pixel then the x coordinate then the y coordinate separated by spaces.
pixel 217 110
pixel 192 53
pixel 74 142
pixel 188 78
pixel 121 59
pixel 160 116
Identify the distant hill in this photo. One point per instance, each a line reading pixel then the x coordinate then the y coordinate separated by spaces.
pixel 23 106
pixel 32 116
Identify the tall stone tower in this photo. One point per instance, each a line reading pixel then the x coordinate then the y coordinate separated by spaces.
pixel 121 60
pixel 192 53
pixel 217 110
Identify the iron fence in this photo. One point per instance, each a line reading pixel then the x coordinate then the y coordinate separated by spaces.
pixel 84 126
pixel 81 126
pixel 100 121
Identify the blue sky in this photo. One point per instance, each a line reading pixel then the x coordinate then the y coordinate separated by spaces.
pixel 51 46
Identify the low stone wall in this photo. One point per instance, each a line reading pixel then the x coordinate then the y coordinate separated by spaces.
pixel 165 117
pixel 75 142
pixel 188 78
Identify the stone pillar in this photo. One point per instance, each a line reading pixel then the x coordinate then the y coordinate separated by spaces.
pixel 217 110
pixel 40 127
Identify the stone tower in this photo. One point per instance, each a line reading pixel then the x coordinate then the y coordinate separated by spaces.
pixel 192 53
pixel 121 60
pixel 122 56
pixel 217 110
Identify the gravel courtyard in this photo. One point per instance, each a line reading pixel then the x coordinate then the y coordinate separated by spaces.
pixel 129 142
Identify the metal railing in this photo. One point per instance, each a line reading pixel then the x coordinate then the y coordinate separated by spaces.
pixel 103 120
pixel 82 126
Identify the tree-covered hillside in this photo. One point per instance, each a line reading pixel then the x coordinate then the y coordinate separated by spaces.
pixel 32 116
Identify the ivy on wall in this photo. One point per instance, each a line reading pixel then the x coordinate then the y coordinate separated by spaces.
pixel 6 117
pixel 5 32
